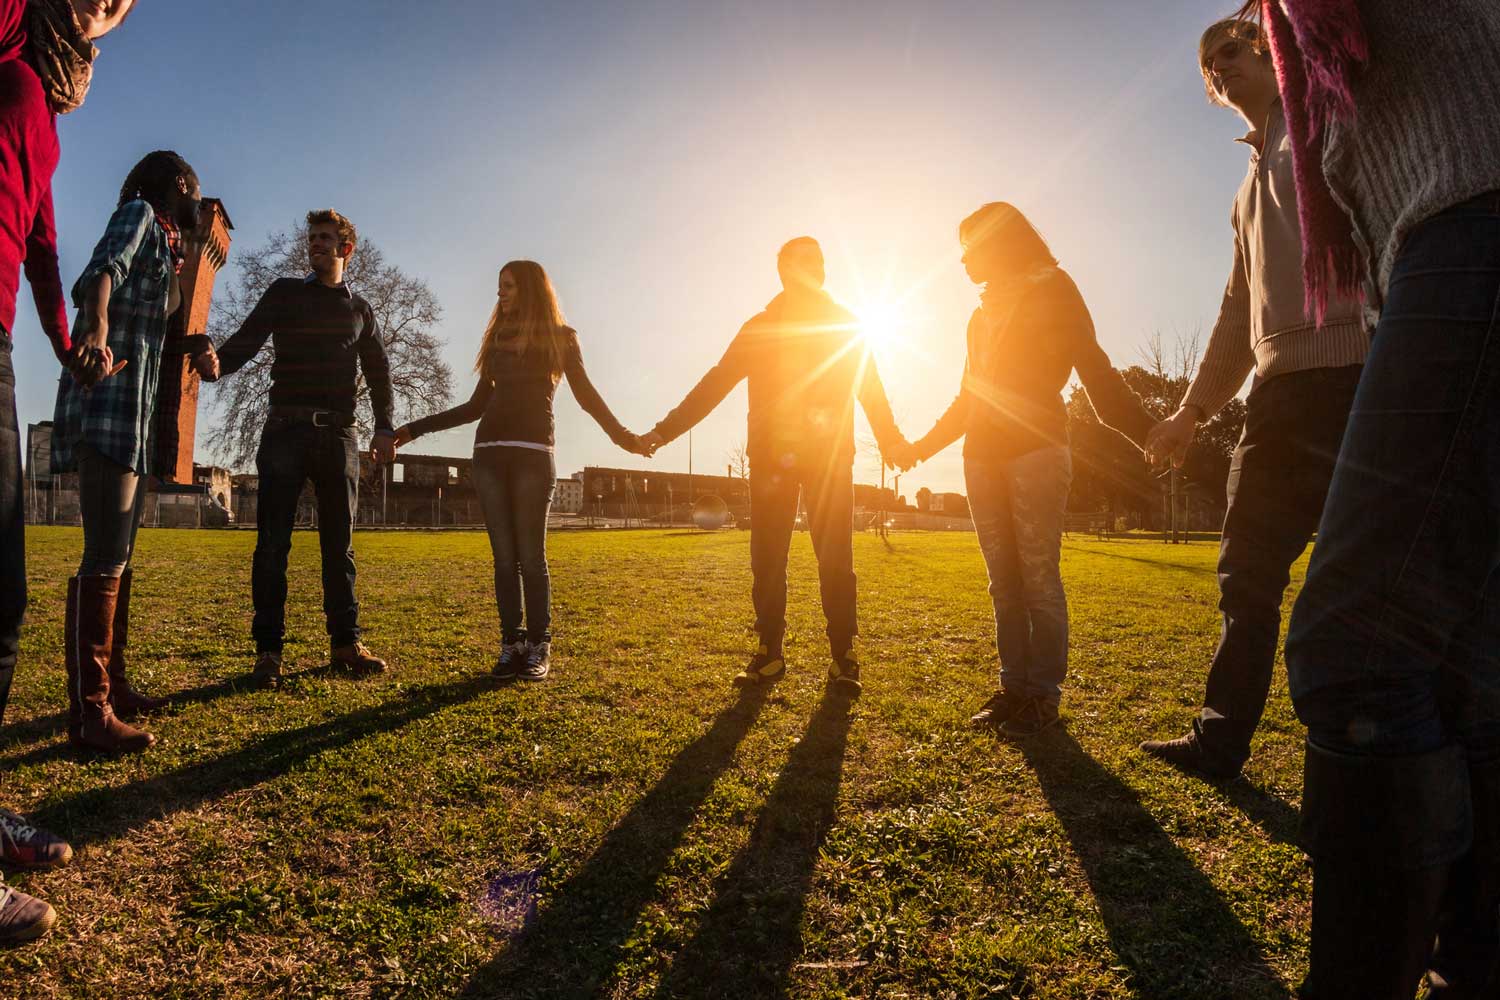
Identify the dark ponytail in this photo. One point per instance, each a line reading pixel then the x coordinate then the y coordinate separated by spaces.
pixel 153 177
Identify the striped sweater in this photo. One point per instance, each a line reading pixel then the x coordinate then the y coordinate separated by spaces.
pixel 1426 131
pixel 1263 325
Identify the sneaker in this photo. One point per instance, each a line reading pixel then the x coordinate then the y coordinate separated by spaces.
pixel 267 670
pixel 357 659
pixel 22 917
pixel 995 712
pixel 538 661
pixel 1031 717
pixel 25 846
pixel 843 675
pixel 1187 753
pixel 512 657
pixel 765 667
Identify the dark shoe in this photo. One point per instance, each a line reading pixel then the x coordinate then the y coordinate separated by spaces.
pixel 267 670
pixel 1031 717
pixel 512 658
pixel 102 732
pixel 1466 965
pixel 127 701
pixel 538 661
pixel 994 713
pixel 357 659
pixel 23 917
pixel 1187 753
pixel 25 846
pixel 1373 826
pixel 843 674
pixel 765 667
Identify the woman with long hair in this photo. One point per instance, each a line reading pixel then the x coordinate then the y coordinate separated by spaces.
pixel 124 297
pixel 527 349
pixel 1029 334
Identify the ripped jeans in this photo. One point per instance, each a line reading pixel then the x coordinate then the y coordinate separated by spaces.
pixel 1018 508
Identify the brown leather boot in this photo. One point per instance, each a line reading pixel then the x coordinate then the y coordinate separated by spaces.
pixel 93 622
pixel 70 661
pixel 125 700
pixel 358 660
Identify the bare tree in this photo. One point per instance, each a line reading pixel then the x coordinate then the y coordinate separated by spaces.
pixel 1179 363
pixel 404 307
pixel 739 461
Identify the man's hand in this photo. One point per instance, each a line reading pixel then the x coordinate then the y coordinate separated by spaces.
pixel 403 436
pixel 383 448
pixel 1167 442
pixel 650 441
pixel 89 362
pixel 902 455
pixel 206 364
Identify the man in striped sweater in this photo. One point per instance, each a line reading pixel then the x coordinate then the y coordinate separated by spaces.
pixel 1305 379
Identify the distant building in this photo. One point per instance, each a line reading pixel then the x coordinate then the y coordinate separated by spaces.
pixel 948 504
pixel 924 500
pixel 650 493
pixel 569 496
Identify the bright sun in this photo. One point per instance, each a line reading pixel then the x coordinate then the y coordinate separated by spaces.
pixel 884 324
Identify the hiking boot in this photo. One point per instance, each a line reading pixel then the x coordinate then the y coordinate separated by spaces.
pixel 357 659
pixel 25 846
pixel 538 661
pixel 126 700
pixel 1031 717
pixel 765 667
pixel 22 917
pixel 995 712
pixel 512 658
pixel 267 670
pixel 1187 753
pixel 843 674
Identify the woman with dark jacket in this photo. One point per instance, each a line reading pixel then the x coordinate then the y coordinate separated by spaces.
pixel 526 350
pixel 1031 331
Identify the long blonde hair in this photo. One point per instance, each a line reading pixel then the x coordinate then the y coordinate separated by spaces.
pixel 536 317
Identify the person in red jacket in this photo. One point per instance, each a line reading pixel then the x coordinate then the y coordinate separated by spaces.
pixel 46 54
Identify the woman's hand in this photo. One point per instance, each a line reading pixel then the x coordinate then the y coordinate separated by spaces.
pixel 403 435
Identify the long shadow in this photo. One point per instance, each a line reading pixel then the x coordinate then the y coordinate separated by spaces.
pixel 1269 812
pixel 1166 922
pixel 107 812
pixel 574 943
pixel 748 941
pixel 1159 564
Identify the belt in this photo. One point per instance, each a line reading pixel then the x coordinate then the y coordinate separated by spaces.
pixel 310 415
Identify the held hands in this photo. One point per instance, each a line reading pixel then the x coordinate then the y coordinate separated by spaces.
pixel 383 446
pixel 649 443
pixel 90 361
pixel 206 364
pixel 1167 443
pixel 901 455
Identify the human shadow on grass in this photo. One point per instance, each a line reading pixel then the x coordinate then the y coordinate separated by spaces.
pixel 1167 923
pixel 751 936
pixel 1158 563
pixel 101 813
pixel 574 943
pixel 1266 810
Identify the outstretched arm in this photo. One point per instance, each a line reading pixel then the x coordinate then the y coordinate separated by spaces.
pixel 46 284
pixel 1116 405
pixel 707 394
pixel 246 342
pixel 464 413
pixel 588 397
pixel 950 426
pixel 877 407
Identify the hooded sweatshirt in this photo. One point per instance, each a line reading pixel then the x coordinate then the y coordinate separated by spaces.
pixel 28 155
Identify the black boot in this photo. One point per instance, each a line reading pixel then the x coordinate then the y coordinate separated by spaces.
pixel 1383 833
pixel 1467 963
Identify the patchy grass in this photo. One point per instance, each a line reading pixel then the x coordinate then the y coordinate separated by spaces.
pixel 632 828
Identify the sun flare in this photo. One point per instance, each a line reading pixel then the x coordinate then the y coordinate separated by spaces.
pixel 884 324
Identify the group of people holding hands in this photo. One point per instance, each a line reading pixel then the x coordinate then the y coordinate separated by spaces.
pixel 1364 297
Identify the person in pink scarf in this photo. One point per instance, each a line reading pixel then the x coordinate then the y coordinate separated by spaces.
pixel 1393 652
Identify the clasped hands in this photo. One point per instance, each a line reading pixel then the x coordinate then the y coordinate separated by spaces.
pixel 1167 443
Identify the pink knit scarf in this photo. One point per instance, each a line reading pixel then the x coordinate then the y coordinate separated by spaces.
pixel 1318 46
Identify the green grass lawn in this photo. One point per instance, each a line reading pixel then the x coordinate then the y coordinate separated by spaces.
pixel 383 838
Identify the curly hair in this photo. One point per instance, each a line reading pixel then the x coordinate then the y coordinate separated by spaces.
pixel 153 177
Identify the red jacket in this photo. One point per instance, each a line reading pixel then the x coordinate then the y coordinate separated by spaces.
pixel 28 156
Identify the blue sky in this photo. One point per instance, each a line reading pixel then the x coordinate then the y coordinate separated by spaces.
pixel 653 156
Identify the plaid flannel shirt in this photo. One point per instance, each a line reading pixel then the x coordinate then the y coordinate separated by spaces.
pixel 115 416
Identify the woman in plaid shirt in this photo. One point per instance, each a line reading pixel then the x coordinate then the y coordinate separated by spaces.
pixel 124 298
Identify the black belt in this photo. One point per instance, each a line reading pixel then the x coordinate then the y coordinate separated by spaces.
pixel 311 415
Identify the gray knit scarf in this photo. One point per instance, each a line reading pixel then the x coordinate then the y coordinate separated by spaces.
pixel 61 56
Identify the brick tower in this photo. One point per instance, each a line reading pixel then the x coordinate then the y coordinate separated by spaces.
pixel 207 248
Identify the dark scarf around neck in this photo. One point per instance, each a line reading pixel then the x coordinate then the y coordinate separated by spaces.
pixel 61 56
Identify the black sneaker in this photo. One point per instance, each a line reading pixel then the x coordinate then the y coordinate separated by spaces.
pixel 538 661
pixel 1031 717
pixel 512 657
pixel 843 675
pixel 764 667
pixel 995 712
pixel 1187 753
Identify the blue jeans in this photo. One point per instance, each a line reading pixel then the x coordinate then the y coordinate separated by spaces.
pixel 12 526
pixel 291 453
pixel 1394 644
pixel 1018 508
pixel 515 487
